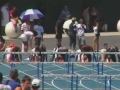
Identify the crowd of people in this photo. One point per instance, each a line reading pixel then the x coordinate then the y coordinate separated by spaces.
pixel 31 34
pixel 33 31
pixel 14 83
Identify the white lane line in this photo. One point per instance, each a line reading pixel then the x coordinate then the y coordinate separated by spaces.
pixel 80 84
pixel 103 83
pixel 55 85
pixel 84 85
pixel 19 70
pixel 23 72
pixel 93 80
pixel 44 70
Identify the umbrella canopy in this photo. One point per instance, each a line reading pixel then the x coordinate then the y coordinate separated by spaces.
pixel 31 14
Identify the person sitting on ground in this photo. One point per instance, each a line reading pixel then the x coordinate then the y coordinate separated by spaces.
pixel 26 83
pixel 17 57
pixel 59 57
pixel 84 57
pixel 62 57
pixel 37 56
pixel 10 57
pixel 35 84
pixel 3 86
pixel 13 81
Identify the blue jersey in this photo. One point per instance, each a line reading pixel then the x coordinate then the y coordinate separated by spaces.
pixel 13 83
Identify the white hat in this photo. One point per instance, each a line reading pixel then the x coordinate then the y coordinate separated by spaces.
pixel 36 82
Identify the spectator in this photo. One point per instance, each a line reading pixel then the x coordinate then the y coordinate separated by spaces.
pixel 104 49
pixel 39 33
pixel 96 29
pixel 13 81
pixel 94 14
pixel 78 54
pixel 86 57
pixel 35 84
pixel 17 57
pixel 36 57
pixel 86 16
pixel 3 86
pixel 80 29
pixel 59 30
pixel 72 34
pixel 5 17
pixel 56 50
pixel 112 57
pixel 65 13
pixel 66 25
pixel 9 55
pixel 26 36
pixel 14 15
pixel 59 24
pixel 13 12
pixel 26 83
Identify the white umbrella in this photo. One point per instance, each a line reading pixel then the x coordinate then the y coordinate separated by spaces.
pixel 31 14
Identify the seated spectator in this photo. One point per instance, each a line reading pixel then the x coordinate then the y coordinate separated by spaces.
pixel 43 49
pixel 103 56
pixel 13 81
pixel 35 84
pixel 111 57
pixel 56 50
pixel 16 57
pixel 37 56
pixel 8 50
pixel 3 86
pixel 78 54
pixel 60 57
pixel 12 57
pixel 83 56
pixel 26 83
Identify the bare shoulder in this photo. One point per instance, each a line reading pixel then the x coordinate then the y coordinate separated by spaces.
pixel 18 88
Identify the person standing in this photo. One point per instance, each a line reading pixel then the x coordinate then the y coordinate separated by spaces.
pixel 72 34
pixel 86 16
pixel 60 21
pixel 5 17
pixel 94 15
pixel 96 29
pixel 58 31
pixel 26 35
pixel 39 33
pixel 80 29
